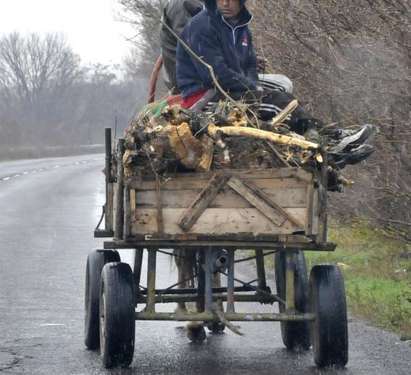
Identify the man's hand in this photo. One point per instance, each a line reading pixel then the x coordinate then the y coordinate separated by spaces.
pixel 261 64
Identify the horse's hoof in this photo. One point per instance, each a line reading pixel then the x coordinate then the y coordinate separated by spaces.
pixel 216 328
pixel 196 333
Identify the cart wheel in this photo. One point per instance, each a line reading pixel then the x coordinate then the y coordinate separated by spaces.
pixel 216 327
pixel 117 319
pixel 329 330
pixel 95 263
pixel 295 335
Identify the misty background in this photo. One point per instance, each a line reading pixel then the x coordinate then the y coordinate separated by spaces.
pixel 349 61
pixel 49 98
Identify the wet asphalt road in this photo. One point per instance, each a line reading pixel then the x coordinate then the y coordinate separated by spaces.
pixel 49 209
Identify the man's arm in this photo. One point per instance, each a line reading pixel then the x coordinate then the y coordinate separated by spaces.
pixel 252 73
pixel 181 13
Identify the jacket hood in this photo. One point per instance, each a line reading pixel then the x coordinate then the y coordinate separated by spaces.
pixel 245 16
pixel 212 4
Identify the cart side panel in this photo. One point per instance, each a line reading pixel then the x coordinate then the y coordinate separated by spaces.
pixel 215 221
pixel 229 212
pixel 290 197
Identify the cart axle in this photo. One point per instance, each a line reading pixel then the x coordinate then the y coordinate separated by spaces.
pixel 234 317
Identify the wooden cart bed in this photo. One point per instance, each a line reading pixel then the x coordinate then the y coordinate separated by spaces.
pixel 230 202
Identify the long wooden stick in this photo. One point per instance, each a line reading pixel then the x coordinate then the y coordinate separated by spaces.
pixel 261 134
pixel 284 113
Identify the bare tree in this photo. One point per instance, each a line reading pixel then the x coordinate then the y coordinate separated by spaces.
pixel 48 98
pixel 145 16
pixel 30 65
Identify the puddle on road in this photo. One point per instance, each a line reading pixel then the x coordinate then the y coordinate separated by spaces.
pixel 7 360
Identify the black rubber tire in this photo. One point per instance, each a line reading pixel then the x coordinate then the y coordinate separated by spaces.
pixel 117 315
pixel 329 331
pixel 295 335
pixel 95 263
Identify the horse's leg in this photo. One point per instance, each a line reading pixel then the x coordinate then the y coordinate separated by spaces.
pixel 217 326
pixel 195 330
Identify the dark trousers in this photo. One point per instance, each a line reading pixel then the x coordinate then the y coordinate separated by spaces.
pixel 268 104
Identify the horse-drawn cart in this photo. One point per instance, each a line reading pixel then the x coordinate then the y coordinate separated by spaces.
pixel 216 215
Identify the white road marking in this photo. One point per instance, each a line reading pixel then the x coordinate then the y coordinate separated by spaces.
pixel 34 171
pixel 52 325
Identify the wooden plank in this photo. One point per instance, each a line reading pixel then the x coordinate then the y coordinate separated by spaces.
pixel 202 201
pixel 246 173
pixel 133 202
pixel 160 220
pixel 127 213
pixel 310 207
pixel 208 154
pixel 323 202
pixel 192 184
pixel 257 198
pixel 289 197
pixel 247 237
pixel 202 178
pixel 233 244
pixel 316 214
pixel 109 219
pixel 217 221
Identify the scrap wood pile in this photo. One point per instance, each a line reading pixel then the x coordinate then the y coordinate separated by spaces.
pixel 169 139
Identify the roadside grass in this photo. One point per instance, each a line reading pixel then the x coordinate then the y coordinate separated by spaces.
pixel 377 272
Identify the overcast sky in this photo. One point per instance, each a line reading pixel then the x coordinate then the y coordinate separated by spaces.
pixel 91 26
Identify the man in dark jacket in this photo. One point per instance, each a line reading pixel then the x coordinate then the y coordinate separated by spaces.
pixel 221 36
pixel 176 14
pixel 222 41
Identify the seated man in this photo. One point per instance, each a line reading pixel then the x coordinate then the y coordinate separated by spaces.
pixel 176 14
pixel 221 37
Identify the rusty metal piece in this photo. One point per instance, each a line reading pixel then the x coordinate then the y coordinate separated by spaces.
pixel 230 282
pixel 109 182
pixel 138 263
pixel 151 281
pixel 176 298
pixel 262 281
